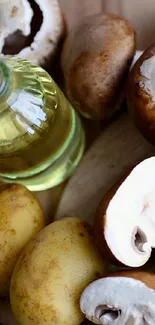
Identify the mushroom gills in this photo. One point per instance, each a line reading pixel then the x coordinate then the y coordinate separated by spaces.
pixel 130 211
pixel 118 300
pixel 140 241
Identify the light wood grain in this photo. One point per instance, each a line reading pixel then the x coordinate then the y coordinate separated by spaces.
pixel 115 152
pixel 140 13
pixel 75 10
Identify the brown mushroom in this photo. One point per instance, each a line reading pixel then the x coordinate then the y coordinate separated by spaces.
pixel 95 60
pixel 141 94
pixel 124 223
pixel 126 298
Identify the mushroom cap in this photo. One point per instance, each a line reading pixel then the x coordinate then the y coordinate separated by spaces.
pixel 140 94
pixel 125 222
pixel 17 15
pixel 95 60
pixel 120 299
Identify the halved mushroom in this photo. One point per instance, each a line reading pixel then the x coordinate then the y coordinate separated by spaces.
pixel 16 15
pixel 125 298
pixel 125 220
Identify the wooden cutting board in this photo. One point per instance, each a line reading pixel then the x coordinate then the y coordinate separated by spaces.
pixel 140 13
pixel 119 148
pixel 115 151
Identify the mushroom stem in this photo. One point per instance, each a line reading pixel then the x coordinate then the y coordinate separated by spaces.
pixel 131 317
pixel 140 241
pixel 109 317
pixel 144 247
pixel 107 314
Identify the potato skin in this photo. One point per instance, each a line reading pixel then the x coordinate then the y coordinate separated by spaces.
pixel 52 272
pixel 21 218
pixel 95 60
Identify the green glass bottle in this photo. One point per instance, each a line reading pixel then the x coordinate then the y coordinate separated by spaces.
pixel 41 137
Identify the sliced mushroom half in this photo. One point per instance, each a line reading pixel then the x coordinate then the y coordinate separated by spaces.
pixel 119 300
pixel 125 220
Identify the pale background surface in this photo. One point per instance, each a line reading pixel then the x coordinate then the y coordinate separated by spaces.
pixel 141 14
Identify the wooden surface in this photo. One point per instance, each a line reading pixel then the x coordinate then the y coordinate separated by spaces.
pixel 139 12
pixel 119 147
pixel 76 9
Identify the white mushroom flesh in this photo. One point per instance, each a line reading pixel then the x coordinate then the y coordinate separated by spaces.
pixel 130 216
pixel 46 40
pixel 118 301
pixel 14 15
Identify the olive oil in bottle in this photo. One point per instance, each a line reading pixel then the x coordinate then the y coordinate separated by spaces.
pixel 41 137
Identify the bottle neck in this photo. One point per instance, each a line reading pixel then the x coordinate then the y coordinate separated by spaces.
pixel 5 79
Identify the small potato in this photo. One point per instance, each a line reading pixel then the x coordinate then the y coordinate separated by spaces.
pixel 21 218
pixel 52 272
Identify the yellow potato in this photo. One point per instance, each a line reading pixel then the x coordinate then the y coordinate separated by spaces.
pixel 21 218
pixel 52 272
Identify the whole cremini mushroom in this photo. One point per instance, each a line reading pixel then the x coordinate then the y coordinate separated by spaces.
pixel 125 220
pixel 126 298
pixel 95 61
pixel 38 46
pixel 141 94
